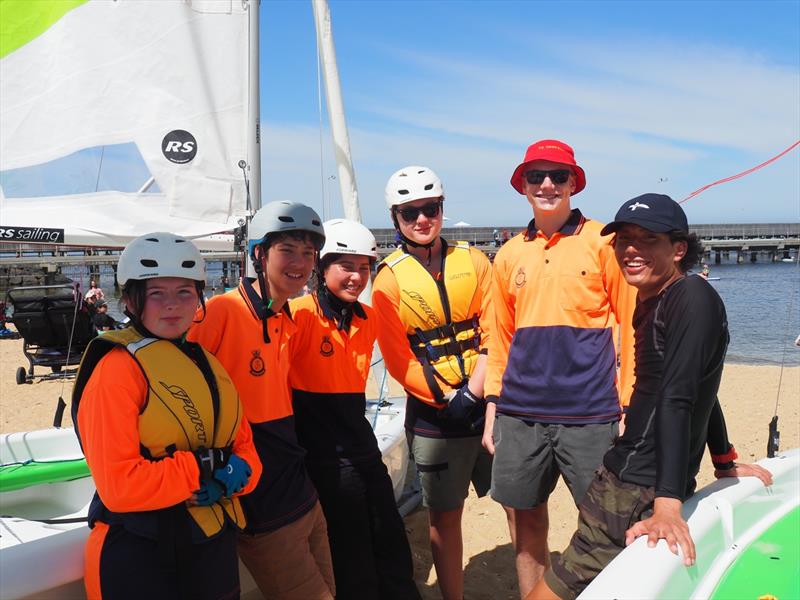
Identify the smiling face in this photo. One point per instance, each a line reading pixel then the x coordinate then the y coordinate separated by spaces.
pixel 287 265
pixel 649 261
pixel 422 230
pixel 548 197
pixel 169 306
pixel 347 276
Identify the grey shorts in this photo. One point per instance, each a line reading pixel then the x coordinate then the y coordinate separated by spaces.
pixel 529 457
pixel 446 466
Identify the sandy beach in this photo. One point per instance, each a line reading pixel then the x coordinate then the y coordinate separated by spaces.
pixel 748 396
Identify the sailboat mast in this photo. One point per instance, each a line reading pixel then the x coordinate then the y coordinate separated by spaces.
pixel 253 108
pixel 333 93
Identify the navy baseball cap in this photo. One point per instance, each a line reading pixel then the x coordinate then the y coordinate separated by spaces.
pixel 654 212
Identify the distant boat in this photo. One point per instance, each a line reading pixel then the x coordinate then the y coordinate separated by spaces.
pixel 788 260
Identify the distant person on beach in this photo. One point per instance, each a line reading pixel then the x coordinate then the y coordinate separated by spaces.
pixel 330 361
pixel 166 511
pixel 101 319
pixel 285 545
pixel 431 298
pixel 553 403
pixel 681 340
pixel 94 291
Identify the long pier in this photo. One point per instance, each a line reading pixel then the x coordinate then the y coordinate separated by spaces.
pixel 753 242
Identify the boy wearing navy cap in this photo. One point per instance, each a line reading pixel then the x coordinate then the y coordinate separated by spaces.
pixel 681 338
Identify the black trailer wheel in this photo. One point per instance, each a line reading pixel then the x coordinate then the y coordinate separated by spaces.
pixel 56 368
pixel 22 375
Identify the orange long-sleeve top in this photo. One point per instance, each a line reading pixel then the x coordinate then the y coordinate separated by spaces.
pixel 392 332
pixel 109 424
pixel 559 304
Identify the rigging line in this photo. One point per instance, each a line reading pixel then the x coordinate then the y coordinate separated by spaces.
pixel 99 168
pixel 742 174
pixel 319 112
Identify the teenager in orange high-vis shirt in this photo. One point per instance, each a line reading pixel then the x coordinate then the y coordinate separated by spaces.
pixel 330 356
pixel 165 439
pixel 285 545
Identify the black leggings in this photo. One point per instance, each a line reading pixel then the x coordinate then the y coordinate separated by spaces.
pixel 369 547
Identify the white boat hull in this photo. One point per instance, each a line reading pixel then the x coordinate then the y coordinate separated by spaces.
pixel 724 518
pixel 57 549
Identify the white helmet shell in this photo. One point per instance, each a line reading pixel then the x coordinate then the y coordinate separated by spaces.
pixel 281 216
pixel 412 183
pixel 160 254
pixel 343 236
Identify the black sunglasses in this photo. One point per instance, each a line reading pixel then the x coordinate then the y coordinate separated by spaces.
pixel 557 176
pixel 410 214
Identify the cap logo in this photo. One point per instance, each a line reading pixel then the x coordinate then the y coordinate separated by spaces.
pixel 636 205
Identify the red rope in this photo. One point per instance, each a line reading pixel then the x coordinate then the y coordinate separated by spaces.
pixel 742 174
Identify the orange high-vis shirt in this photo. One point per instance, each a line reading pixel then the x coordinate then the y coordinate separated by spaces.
pixel 558 304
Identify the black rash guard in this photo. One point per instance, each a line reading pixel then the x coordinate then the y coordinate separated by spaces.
pixel 681 340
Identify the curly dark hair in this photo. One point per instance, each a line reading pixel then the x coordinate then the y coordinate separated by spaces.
pixel 694 248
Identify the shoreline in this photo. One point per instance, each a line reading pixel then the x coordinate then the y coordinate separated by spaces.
pixel 748 394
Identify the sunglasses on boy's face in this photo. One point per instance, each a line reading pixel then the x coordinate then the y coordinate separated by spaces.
pixel 410 214
pixel 557 176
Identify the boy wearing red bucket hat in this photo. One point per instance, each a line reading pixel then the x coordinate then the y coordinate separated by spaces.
pixel 553 403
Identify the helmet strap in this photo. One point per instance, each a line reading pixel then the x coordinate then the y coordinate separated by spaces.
pixel 266 300
pixel 409 242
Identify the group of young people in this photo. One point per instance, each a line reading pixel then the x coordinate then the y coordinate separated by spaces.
pixel 234 428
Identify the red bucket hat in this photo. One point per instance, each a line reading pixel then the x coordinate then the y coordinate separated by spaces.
pixel 554 151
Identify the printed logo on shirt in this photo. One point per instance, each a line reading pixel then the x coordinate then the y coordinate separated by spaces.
pixel 520 280
pixel 257 368
pixel 326 347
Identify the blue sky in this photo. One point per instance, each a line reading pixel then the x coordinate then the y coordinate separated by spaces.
pixel 654 97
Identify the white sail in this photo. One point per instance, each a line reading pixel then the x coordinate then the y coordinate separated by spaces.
pixel 170 78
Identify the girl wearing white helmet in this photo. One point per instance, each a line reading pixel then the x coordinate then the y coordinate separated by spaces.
pixel 160 424
pixel 330 360
pixel 285 545
pixel 432 300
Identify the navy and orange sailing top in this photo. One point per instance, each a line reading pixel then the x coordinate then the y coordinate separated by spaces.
pixel 557 302
pixel 231 330
pixel 420 301
pixel 328 375
pixel 111 405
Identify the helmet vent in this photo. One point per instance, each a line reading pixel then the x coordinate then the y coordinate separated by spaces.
pixel 429 187
pixel 151 239
pixel 286 219
pixel 316 222
pixel 403 192
pixel 188 264
pixel 149 262
pixel 341 245
pixel 179 241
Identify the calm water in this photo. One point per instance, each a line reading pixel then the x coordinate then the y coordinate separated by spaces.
pixel 762 300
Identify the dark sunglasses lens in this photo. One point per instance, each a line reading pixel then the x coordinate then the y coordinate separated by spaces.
pixel 559 176
pixel 410 214
pixel 430 210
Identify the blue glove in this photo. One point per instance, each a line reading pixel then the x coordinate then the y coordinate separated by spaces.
pixel 234 475
pixel 466 407
pixel 210 492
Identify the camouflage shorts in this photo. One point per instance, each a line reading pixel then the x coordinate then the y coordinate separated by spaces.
pixel 608 510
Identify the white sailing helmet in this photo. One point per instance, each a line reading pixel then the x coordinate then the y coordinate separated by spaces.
pixel 280 216
pixel 412 183
pixel 160 254
pixel 343 236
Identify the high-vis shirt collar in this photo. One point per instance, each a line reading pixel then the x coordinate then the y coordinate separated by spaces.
pixel 571 227
pixel 253 300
